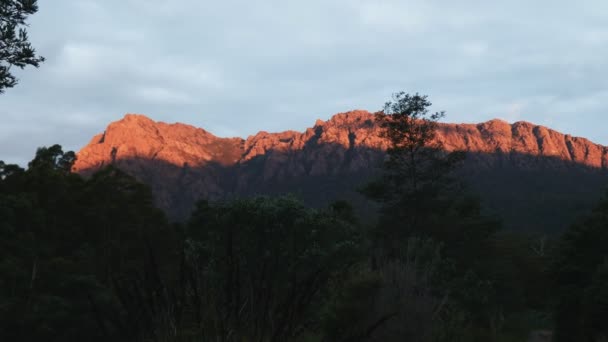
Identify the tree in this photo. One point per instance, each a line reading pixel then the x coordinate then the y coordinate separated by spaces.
pixel 418 192
pixel 580 272
pixel 53 158
pixel 15 48
pixel 396 302
pixel 67 243
pixel 420 196
pixel 259 267
pixel 43 285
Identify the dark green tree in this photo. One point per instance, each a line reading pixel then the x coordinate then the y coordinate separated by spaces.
pixel 136 257
pixel 580 273
pixel 418 192
pixel 396 302
pixel 42 284
pixel 15 48
pixel 123 222
pixel 65 242
pixel 420 196
pixel 260 267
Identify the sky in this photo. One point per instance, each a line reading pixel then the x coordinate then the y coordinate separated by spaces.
pixel 238 67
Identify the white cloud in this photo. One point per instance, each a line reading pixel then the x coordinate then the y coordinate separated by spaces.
pixel 394 16
pixel 180 71
pixel 595 37
pixel 474 49
pixel 514 111
pixel 88 62
pixel 277 65
pixel 161 95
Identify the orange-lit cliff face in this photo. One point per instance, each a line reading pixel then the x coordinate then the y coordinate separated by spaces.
pixel 183 163
pixel 138 137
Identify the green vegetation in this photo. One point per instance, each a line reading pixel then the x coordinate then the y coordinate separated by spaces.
pixel 93 259
pixel 15 48
pixel 580 270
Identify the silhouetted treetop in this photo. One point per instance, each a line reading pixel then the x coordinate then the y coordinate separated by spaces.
pixel 15 48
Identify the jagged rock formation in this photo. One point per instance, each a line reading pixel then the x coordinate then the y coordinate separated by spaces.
pixel 183 163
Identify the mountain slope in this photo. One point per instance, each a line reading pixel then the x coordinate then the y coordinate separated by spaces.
pixel 521 170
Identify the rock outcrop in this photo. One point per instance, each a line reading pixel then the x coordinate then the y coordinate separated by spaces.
pixel 183 163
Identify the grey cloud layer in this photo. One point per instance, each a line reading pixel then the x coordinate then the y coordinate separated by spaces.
pixel 236 67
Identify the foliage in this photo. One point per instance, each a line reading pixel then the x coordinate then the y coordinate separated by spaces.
pixel 398 301
pixel 15 48
pixel 94 259
pixel 580 273
pixel 63 239
pixel 420 196
pixel 259 266
pixel 418 191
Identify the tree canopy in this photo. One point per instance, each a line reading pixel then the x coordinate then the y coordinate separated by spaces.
pixel 15 47
pixel 418 192
pixel 94 259
pixel 580 271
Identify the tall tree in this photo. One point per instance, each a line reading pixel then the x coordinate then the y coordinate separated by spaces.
pixel 418 192
pixel 15 48
pixel 65 242
pixel 420 196
pixel 259 266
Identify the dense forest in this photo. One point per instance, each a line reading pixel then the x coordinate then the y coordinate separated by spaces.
pixel 93 259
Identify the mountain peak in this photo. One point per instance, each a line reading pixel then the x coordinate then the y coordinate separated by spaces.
pixel 183 163
pixel 135 116
pixel 132 118
pixel 498 121
pixel 138 136
pixel 351 116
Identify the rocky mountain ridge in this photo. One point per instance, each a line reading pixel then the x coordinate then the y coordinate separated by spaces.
pixel 137 136
pixel 183 163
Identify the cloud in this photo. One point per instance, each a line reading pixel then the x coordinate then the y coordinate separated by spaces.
pixel 514 111
pixel 85 62
pixel 474 49
pixel 235 67
pixel 394 16
pixel 162 95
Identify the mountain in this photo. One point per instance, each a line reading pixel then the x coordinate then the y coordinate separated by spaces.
pixel 535 178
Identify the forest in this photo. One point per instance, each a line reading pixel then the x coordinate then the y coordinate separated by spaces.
pixel 94 259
